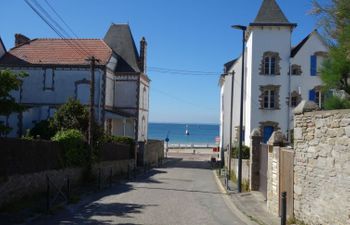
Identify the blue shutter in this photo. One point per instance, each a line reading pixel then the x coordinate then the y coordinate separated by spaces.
pixel 312 95
pixel 268 130
pixel 313 65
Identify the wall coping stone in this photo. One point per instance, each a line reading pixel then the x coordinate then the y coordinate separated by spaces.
pixel 255 133
pixel 277 138
pixel 306 106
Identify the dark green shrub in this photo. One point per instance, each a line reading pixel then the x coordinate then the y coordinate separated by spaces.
pixel 336 103
pixel 245 152
pixel 71 115
pixel 43 129
pixel 122 140
pixel 75 149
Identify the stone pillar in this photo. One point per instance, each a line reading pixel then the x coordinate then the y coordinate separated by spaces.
pixel 276 141
pixel 255 149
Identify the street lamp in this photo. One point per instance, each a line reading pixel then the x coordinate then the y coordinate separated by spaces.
pixel 239 177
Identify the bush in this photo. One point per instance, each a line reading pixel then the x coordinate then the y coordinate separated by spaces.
pixel 75 151
pixel 336 103
pixel 118 139
pixel 43 129
pixel 245 152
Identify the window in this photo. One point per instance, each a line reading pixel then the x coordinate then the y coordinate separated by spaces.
pixel 295 99
pixel 269 98
pixel 317 96
pixel 49 79
pixel 296 70
pixel 316 63
pixel 270 64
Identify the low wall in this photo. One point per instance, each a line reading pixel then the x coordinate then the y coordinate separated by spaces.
pixel 322 168
pixel 245 168
pixel 154 151
pixel 25 166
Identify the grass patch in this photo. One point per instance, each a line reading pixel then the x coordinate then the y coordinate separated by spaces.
pixel 293 220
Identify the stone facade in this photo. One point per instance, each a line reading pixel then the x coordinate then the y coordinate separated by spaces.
pixel 322 168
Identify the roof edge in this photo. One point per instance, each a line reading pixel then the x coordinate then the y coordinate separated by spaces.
pixel 273 25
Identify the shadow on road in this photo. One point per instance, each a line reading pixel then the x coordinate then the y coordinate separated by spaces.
pixel 188 163
pixel 181 190
pixel 93 210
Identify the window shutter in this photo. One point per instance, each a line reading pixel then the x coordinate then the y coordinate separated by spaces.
pixel 313 65
pixel 312 95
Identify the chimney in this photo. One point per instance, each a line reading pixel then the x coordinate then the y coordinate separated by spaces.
pixel 20 39
pixel 143 52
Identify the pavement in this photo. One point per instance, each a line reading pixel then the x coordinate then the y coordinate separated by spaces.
pixel 252 204
pixel 184 192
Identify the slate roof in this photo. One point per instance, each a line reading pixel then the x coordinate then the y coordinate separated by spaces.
pixel 56 52
pixel 296 49
pixel 228 65
pixel 121 41
pixel 270 14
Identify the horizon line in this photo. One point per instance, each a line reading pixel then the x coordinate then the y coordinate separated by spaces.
pixel 184 123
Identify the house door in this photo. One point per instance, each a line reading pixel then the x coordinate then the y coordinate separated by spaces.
pixel 268 130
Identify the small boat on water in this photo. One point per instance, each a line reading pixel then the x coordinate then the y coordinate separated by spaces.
pixel 187 132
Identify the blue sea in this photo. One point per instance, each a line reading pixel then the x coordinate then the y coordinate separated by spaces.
pixel 199 134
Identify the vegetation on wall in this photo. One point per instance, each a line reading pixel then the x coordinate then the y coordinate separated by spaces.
pixel 75 149
pixel 245 152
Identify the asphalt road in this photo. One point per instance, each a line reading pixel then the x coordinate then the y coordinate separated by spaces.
pixel 183 192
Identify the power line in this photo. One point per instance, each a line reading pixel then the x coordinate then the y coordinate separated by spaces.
pixel 69 28
pixel 39 10
pixel 62 20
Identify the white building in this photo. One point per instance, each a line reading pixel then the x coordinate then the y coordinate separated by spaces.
pixel 57 71
pixel 268 84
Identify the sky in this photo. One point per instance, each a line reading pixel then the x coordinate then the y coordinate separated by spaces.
pixel 190 35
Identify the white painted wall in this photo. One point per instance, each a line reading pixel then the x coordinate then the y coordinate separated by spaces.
pixel 275 39
pixel 143 110
pixel 305 81
pixel 42 101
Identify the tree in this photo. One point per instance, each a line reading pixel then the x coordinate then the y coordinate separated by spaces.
pixel 334 18
pixel 9 81
pixel 71 115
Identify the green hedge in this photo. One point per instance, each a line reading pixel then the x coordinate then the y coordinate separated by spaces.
pixel 245 152
pixel 74 146
pixel 118 139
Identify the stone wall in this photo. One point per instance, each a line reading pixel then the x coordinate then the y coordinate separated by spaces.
pixel 322 167
pixel 154 152
pixel 25 166
pixel 17 186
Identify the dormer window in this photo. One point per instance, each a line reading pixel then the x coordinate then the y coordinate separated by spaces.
pixel 270 64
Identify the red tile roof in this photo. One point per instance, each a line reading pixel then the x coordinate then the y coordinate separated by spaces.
pixel 57 52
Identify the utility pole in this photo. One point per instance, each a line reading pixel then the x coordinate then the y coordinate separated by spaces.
pixel 92 61
pixel 239 177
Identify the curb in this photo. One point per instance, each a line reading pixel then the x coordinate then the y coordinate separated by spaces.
pixel 231 205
